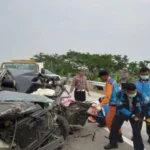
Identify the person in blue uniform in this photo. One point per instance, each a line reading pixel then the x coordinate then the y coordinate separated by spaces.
pixel 143 85
pixel 128 104
pixel 100 116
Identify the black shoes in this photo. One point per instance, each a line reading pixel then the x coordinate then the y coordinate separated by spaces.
pixel 110 146
pixel 120 139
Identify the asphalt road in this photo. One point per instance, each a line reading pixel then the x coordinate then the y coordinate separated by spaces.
pixel 85 143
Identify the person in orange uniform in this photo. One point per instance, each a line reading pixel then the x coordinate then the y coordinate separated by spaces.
pixel 111 90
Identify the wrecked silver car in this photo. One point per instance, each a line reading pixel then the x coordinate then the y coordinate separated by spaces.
pixel 25 125
pixel 28 82
pixel 27 122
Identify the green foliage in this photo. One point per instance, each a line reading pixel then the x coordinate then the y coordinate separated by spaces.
pixel 73 61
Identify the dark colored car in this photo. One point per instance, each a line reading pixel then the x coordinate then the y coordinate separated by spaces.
pixel 27 121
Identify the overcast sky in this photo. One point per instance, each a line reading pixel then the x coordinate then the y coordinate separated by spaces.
pixel 28 27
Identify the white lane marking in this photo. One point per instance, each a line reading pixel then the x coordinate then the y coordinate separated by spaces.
pixel 129 142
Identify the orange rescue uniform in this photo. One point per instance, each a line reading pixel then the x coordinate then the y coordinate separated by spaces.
pixel 112 109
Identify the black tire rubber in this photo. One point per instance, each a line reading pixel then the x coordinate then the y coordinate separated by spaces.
pixel 64 125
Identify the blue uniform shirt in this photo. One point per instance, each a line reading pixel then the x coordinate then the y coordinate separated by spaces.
pixel 143 87
pixel 114 91
pixel 123 106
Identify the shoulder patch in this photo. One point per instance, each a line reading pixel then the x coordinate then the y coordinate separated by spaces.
pixel 111 80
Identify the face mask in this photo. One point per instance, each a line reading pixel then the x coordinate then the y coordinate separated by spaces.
pixel 144 77
pixel 132 95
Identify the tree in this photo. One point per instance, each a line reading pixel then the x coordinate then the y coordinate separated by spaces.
pixel 144 63
pixel 121 61
pixel 133 67
pixel 39 57
pixel 73 61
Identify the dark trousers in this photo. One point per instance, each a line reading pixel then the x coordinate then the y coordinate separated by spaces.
pixel 143 114
pixel 116 125
pixel 100 119
pixel 79 95
pixel 123 86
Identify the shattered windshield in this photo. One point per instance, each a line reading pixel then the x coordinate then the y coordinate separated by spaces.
pixel 20 97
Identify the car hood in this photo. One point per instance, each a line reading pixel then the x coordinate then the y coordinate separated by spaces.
pixel 50 75
pixel 23 78
pixel 22 97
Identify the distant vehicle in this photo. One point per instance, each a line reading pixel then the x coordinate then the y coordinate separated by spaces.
pixel 28 65
pixel 50 74
pixel 22 65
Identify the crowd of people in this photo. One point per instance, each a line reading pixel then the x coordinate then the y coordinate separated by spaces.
pixel 130 103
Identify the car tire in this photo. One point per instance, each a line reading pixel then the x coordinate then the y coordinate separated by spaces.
pixel 64 126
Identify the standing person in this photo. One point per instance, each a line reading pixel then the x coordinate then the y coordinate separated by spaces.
pixel 128 108
pixel 79 83
pixel 124 78
pixel 111 89
pixel 143 85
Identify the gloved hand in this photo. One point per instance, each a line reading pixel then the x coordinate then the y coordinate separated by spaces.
pixel 99 108
pixel 148 121
pixel 135 118
pixel 94 105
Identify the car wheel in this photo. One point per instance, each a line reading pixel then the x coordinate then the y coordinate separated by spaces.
pixel 63 127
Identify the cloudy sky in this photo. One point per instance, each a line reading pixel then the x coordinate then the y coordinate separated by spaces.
pixel 28 27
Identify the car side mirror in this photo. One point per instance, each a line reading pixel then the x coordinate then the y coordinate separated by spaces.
pixel 42 71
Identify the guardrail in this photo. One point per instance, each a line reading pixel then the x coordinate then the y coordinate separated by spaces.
pixel 102 84
pixel 94 83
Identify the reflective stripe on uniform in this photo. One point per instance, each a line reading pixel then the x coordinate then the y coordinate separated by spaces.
pixel 112 103
pixel 104 114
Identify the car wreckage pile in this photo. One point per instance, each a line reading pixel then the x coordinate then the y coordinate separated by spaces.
pixel 32 114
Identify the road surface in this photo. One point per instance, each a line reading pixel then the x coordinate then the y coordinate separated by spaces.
pixel 76 142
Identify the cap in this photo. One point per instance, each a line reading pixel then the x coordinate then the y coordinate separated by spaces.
pixel 103 73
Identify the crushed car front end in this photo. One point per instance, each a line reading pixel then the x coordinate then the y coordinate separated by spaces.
pixel 25 125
